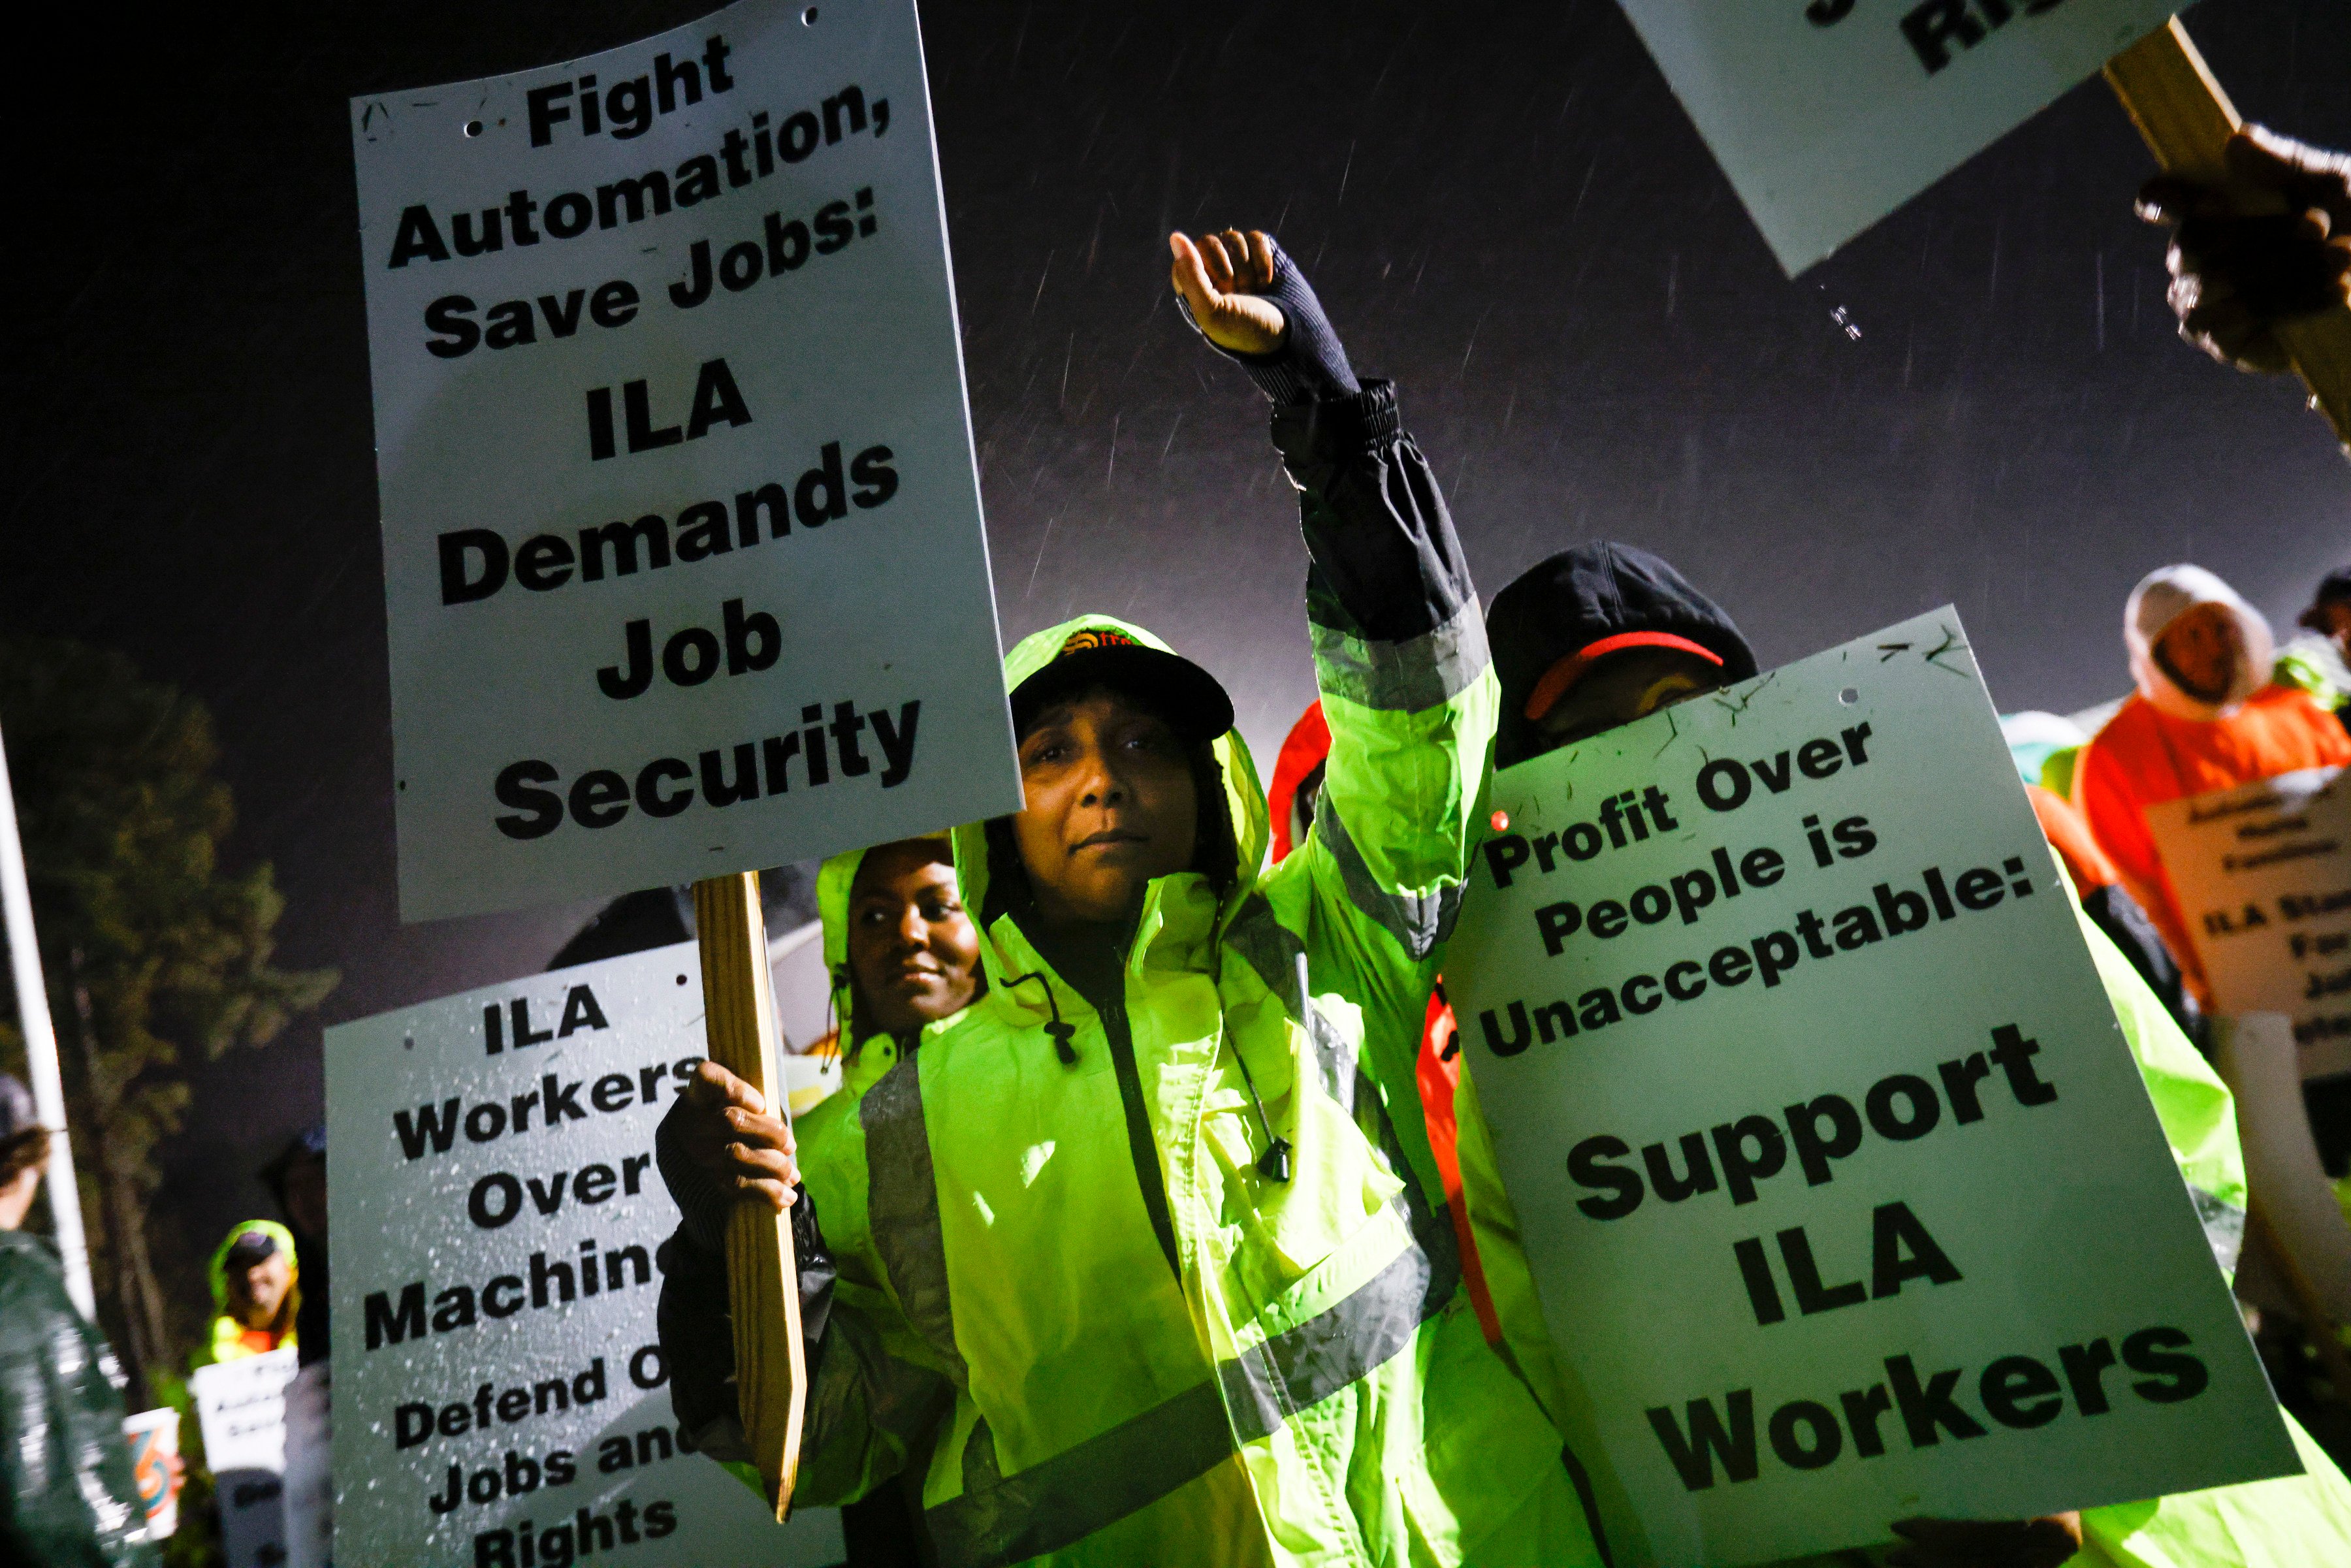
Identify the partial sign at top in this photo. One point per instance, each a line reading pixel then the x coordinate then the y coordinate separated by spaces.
pixel 683 545
pixel 1829 114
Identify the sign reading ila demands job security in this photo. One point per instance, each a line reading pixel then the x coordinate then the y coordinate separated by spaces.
pixel 1843 1197
pixel 1829 114
pixel 2263 877
pixel 501 1400
pixel 682 548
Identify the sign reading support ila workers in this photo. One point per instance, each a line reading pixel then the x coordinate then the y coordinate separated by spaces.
pixel 1843 1197
pixel 2263 873
pixel 500 1397
pixel 1829 114
pixel 681 534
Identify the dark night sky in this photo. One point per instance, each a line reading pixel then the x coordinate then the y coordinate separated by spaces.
pixel 1501 204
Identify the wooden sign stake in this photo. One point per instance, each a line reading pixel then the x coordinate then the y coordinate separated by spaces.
pixel 762 1274
pixel 2187 120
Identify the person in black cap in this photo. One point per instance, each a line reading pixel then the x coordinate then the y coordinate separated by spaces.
pixel 1601 636
pixel 68 1495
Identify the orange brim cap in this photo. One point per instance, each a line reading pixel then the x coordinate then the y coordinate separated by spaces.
pixel 1561 678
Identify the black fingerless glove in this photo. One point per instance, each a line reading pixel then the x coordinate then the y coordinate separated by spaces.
pixel 1311 364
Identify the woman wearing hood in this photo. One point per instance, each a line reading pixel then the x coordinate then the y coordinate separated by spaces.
pixel 903 954
pixel 1146 1249
pixel 2207 716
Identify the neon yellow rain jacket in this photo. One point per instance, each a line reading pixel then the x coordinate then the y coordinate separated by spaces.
pixel 231 1339
pixel 1134 1347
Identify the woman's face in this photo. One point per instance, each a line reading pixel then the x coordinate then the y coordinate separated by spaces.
pixel 913 950
pixel 1110 805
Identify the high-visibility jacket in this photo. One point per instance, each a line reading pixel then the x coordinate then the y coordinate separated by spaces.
pixel 230 1339
pixel 2284 1523
pixel 1122 1342
pixel 1438 1069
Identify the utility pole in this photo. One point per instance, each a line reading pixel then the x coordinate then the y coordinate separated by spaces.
pixel 41 1050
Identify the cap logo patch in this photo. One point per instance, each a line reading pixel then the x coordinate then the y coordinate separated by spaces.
pixel 1094 637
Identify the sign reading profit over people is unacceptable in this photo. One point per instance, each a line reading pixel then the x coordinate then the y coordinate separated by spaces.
pixel 501 1399
pixel 1843 1195
pixel 1829 114
pixel 681 534
pixel 2263 877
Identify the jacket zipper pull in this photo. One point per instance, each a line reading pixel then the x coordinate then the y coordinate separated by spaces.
pixel 1061 1046
pixel 1274 1164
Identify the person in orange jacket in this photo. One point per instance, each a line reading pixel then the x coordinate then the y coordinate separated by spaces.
pixel 2207 716
pixel 1290 801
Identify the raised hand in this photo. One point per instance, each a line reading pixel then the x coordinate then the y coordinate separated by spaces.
pixel 1222 279
pixel 2273 240
pixel 729 1131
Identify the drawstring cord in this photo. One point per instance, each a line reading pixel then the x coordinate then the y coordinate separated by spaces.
pixel 1060 1032
pixel 1274 1164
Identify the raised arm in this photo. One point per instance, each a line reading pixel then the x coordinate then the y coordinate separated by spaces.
pixel 1399 637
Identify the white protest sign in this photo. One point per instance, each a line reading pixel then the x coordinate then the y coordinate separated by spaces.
pixel 1843 1197
pixel 683 553
pixel 1829 114
pixel 500 1396
pixel 241 1407
pixel 2263 873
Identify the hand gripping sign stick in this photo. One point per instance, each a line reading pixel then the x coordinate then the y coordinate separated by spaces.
pixel 2187 120
pixel 762 1274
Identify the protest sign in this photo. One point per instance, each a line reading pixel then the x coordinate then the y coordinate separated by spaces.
pixel 241 1410
pixel 1827 116
pixel 682 553
pixel 2262 876
pixel 1841 1192
pixel 501 1395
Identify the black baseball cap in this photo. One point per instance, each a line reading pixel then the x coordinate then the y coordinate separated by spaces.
pixel 1106 653
pixel 250 1248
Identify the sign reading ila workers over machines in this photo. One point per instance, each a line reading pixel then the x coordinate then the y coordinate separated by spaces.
pixel 500 1397
pixel 682 535
pixel 1843 1197
pixel 2263 877
pixel 1829 114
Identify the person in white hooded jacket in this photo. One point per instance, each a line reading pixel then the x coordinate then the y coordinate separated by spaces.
pixel 2209 714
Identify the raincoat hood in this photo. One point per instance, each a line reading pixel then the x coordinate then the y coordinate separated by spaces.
pixel 834 880
pixel 2162 597
pixel 269 1227
pixel 1560 606
pixel 1245 807
pixel 1307 748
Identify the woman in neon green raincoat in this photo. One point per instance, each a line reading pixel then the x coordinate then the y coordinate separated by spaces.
pixel 1140 1248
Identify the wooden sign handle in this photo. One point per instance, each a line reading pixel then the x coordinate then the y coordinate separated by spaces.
pixel 2187 121
pixel 762 1274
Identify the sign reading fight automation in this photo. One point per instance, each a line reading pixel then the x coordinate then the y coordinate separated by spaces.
pixel 1829 114
pixel 2263 878
pixel 1842 1191
pixel 681 534
pixel 500 1396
